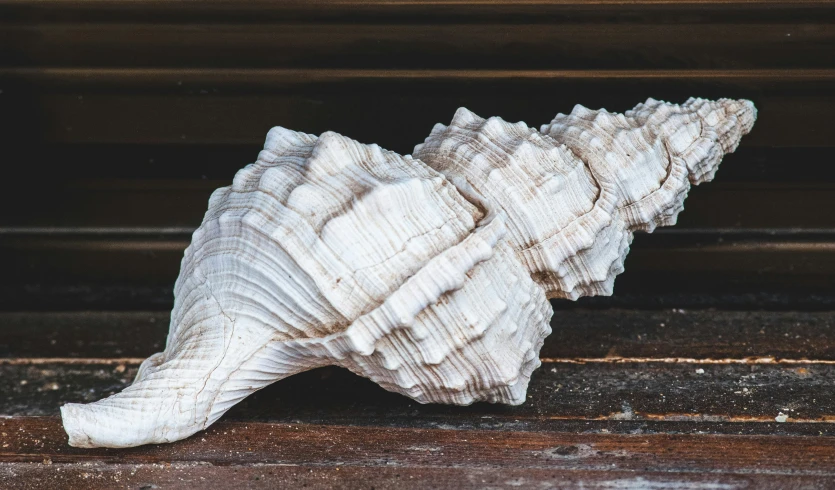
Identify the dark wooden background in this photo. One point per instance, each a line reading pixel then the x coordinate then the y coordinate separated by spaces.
pixel 119 117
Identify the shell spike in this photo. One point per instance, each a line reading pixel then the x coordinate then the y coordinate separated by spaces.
pixel 464 117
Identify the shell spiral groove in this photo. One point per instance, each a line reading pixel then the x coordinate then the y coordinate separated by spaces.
pixel 429 274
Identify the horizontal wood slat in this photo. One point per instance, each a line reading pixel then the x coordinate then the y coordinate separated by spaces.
pixel 612 334
pixel 394 108
pixel 426 10
pixel 149 204
pixel 94 476
pixel 558 45
pixel 559 390
pixel 650 293
pixel 218 163
pixel 34 439
pixel 660 262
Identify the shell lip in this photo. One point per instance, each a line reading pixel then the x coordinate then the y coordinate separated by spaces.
pixel 73 421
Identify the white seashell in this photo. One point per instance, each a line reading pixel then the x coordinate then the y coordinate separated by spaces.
pixel 326 251
pixel 432 282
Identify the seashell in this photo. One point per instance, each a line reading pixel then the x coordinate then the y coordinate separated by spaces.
pixel 326 251
pixel 428 275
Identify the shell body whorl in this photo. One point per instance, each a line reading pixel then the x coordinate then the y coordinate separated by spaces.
pixel 429 275
pixel 326 251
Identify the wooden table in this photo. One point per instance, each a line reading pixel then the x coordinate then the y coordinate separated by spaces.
pixel 712 367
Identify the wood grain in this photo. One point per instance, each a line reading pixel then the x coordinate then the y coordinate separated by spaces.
pixel 34 439
pixel 95 476
pixel 745 392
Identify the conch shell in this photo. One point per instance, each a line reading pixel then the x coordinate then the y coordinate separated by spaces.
pixel 428 275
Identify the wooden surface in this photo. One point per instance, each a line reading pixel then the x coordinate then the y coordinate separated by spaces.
pixel 624 399
pixel 712 366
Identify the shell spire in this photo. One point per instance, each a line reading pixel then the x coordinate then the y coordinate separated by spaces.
pixel 651 155
pixel 653 152
pixel 428 275
pixel 576 190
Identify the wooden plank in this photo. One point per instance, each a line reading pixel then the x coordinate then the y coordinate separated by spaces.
pixel 650 296
pixel 93 476
pixel 99 334
pixel 699 334
pixel 218 163
pixel 124 203
pixel 119 296
pixel 34 439
pixel 756 205
pixel 699 262
pixel 343 10
pixel 556 45
pixel 657 289
pixel 235 106
pixel 565 391
pixel 613 334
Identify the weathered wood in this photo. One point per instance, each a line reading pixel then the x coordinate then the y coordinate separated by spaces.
pixel 577 334
pixel 93 476
pixel 34 439
pixel 593 391
pixel 699 334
